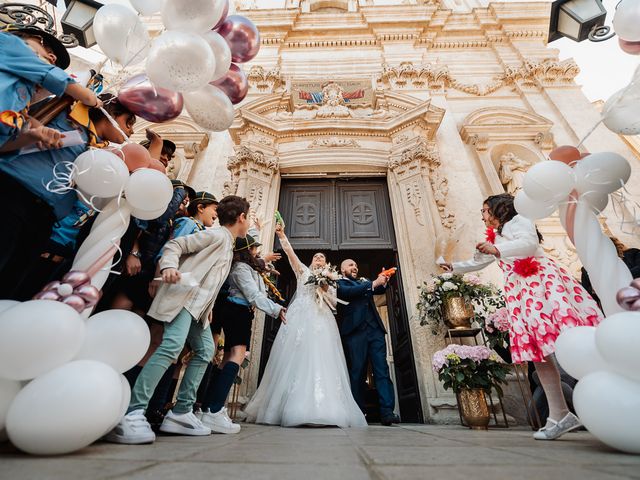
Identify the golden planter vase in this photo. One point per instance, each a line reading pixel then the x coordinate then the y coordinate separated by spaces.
pixel 473 408
pixel 457 313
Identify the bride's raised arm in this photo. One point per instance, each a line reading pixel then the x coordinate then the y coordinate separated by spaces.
pixel 294 261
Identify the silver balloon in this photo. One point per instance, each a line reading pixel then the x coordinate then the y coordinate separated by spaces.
pixel 221 52
pixel 210 108
pixel 120 34
pixel 196 16
pixel 179 61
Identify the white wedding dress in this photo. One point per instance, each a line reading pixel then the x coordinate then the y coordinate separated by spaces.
pixel 306 381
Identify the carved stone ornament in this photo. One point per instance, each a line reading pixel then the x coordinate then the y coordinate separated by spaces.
pixel 434 76
pixel 265 81
pixel 426 155
pixel 245 155
pixel 334 142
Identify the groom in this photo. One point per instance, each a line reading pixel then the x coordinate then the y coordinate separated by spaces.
pixel 362 333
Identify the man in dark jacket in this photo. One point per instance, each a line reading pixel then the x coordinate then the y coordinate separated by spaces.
pixel 362 333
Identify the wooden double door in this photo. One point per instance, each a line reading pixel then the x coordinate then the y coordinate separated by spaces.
pixel 350 219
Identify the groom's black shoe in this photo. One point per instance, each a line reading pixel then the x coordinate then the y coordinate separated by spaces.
pixel 390 419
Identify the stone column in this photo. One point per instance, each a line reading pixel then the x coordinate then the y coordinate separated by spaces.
pixel 418 200
pixel 255 177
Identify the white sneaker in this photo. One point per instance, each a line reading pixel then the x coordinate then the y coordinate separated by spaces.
pixel 183 424
pixel 220 422
pixel 553 429
pixel 198 414
pixel 133 429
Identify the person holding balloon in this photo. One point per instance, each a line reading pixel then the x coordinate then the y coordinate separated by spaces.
pixel 36 188
pixel 542 299
pixel 185 310
pixel 33 60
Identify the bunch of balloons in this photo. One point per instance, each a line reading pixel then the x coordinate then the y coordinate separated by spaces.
pixel 49 353
pixel 189 64
pixel 579 184
pixel 605 358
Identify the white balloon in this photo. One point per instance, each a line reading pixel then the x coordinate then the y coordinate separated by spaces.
pixel 608 404
pixel 118 338
pixel 144 215
pixel 576 351
pixel 627 19
pixel 8 391
pixel 7 304
pixel 38 336
pixel 596 201
pixel 603 172
pixel 148 190
pixel 147 7
pixel 621 112
pixel 100 173
pixel 120 34
pixel 180 61
pixel 531 209
pixel 617 339
pixel 549 181
pixel 192 15
pixel 221 52
pixel 82 400
pixel 210 108
pixel 125 399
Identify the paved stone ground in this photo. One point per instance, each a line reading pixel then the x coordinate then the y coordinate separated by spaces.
pixel 403 452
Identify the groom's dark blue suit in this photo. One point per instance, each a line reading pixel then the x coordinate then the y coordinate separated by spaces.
pixel 362 333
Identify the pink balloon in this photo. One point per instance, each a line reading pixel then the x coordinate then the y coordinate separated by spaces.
pixel 242 36
pixel 234 84
pixel 225 12
pixel 75 302
pixel 632 48
pixel 90 294
pixel 47 295
pixel 152 103
pixel 76 278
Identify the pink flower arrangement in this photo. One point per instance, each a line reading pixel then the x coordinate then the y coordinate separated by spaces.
pixel 472 279
pixel 455 353
pixel 498 321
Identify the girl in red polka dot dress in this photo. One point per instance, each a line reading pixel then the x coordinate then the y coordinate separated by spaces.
pixel 542 300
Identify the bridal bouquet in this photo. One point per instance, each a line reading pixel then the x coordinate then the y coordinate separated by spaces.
pixel 327 275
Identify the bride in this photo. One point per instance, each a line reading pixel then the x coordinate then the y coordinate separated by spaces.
pixel 306 381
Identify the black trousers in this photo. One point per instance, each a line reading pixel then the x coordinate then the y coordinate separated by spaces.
pixel 28 222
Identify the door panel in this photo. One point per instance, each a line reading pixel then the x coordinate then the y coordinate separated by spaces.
pixel 308 212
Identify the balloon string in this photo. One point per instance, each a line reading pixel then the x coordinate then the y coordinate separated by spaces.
pixel 102 260
pixel 115 125
pixel 589 133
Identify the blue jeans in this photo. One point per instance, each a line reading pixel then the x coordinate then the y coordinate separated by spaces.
pixel 184 328
pixel 367 343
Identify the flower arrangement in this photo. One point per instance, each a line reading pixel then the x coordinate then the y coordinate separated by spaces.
pixel 327 275
pixel 496 327
pixel 485 298
pixel 468 367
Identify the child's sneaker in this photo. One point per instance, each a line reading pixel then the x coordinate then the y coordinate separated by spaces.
pixel 220 422
pixel 183 424
pixel 133 429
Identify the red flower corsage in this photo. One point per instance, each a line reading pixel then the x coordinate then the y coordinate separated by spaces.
pixel 526 267
pixel 491 235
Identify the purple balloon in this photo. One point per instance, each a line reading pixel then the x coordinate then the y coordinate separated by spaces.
pixel 627 298
pixel 234 84
pixel 76 278
pixel 152 103
pixel 242 36
pixel 225 12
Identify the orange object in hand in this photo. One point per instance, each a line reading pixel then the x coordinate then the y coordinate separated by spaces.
pixel 389 272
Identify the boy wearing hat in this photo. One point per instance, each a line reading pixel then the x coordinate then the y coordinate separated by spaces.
pixel 202 214
pixel 207 255
pixel 31 58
